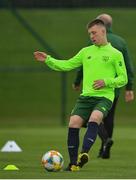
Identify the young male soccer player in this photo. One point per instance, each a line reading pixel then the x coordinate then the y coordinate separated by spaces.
pixel 106 128
pixel 104 70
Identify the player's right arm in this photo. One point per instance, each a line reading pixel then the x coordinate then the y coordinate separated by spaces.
pixel 60 65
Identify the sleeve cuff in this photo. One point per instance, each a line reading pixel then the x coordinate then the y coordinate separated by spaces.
pixel 106 82
pixel 47 59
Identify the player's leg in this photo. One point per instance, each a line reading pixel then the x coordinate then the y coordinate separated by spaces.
pixel 108 126
pixel 101 108
pixel 75 124
pixel 103 136
pixel 90 136
pixel 109 119
pixel 78 116
pixel 92 130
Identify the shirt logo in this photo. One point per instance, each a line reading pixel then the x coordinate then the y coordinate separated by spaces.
pixel 105 58
pixel 120 63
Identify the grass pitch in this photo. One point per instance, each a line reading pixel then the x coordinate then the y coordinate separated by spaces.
pixel 35 141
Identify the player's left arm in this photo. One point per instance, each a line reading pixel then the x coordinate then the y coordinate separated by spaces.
pixel 121 72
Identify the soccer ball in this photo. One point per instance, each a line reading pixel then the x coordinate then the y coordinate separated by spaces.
pixel 52 161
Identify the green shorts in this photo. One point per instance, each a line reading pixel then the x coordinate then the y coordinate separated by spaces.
pixel 85 105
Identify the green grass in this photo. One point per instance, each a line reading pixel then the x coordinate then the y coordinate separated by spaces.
pixel 35 141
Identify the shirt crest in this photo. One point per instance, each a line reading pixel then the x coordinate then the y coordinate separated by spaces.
pixel 105 58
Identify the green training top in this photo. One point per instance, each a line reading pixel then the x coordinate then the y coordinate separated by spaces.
pixel 120 44
pixel 99 62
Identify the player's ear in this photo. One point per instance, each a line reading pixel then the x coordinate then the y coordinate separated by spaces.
pixel 103 30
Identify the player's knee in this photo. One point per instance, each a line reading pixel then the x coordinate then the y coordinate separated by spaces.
pixel 75 122
pixel 96 116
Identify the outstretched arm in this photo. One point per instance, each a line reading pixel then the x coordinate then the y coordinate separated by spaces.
pixel 57 64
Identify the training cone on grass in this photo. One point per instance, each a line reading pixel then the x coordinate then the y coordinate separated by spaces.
pixel 11 167
pixel 11 146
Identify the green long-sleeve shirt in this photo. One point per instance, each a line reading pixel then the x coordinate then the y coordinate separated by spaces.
pixel 120 44
pixel 99 62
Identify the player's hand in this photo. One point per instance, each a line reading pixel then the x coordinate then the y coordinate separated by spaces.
pixel 76 87
pixel 98 84
pixel 129 96
pixel 40 56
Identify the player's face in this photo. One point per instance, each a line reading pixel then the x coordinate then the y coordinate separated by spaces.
pixel 96 34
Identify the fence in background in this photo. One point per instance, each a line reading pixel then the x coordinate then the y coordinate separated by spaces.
pixel 66 4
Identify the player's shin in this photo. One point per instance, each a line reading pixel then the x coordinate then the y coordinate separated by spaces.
pixel 73 144
pixel 90 136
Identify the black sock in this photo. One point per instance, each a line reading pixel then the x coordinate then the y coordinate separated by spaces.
pixel 90 136
pixel 73 144
pixel 102 132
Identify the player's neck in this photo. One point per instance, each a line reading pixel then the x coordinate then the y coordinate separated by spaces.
pixel 104 42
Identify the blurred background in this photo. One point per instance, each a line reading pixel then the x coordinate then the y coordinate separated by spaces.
pixel 29 91
pixel 35 102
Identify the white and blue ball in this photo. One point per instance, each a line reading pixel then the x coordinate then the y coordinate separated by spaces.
pixel 52 161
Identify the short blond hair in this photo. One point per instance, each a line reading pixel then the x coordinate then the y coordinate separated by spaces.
pixel 95 22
